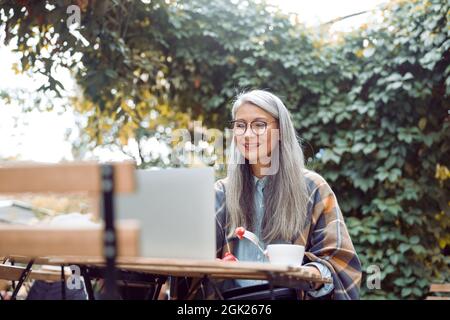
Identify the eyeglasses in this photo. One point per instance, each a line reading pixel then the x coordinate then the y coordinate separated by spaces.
pixel 258 127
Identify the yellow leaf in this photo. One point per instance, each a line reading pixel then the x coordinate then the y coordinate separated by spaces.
pixel 422 123
pixel 359 53
pixel 15 68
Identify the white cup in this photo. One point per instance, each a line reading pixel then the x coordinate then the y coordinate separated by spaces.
pixel 285 254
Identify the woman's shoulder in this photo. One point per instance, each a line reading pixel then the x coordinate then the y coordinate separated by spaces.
pixel 219 188
pixel 313 180
pixel 220 184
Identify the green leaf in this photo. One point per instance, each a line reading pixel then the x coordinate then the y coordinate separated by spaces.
pixel 404 136
pixel 407 271
pixel 417 292
pixel 394 85
pixel 394 174
pixel 406 292
pixel 111 73
pixel 363 184
pixel 372 239
pixel 369 148
pixel 404 247
pixel 358 147
pixel 329 155
pixel 414 240
pixel 382 175
pixel 418 249
pixel 394 259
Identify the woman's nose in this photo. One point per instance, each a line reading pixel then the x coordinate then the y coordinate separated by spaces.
pixel 249 132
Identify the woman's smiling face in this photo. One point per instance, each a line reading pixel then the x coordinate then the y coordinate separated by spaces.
pixel 255 148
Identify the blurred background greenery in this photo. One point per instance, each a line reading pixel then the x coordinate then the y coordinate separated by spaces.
pixel 371 105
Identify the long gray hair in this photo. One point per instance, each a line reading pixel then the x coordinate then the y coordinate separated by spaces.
pixel 285 193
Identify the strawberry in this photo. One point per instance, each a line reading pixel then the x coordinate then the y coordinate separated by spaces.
pixel 239 232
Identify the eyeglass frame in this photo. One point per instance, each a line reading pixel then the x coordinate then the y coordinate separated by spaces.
pixel 232 122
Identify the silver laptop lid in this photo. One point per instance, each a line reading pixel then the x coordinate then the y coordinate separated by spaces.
pixel 175 208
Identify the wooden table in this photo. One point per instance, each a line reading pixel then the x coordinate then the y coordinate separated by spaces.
pixel 158 270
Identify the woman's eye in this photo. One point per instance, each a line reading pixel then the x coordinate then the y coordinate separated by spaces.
pixel 239 125
pixel 259 125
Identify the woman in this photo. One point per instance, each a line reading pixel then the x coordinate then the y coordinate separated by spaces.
pixel 269 192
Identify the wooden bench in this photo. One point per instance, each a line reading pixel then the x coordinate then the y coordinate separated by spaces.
pixel 41 241
pixel 13 273
pixel 100 182
pixel 442 289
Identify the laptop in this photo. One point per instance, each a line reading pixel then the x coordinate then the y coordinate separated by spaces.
pixel 175 209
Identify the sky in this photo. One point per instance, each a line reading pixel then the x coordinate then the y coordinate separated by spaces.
pixel 41 136
pixel 316 12
pixel 37 136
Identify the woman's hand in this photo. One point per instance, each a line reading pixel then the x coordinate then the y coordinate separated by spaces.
pixel 5 295
pixel 228 257
pixel 316 272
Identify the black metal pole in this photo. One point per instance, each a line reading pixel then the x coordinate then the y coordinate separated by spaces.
pixel 109 236
pixel 23 277
pixel 63 283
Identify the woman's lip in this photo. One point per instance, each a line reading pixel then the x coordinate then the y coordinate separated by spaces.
pixel 251 145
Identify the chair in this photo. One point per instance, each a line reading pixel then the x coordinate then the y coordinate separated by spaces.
pixel 443 291
pixel 260 292
pixel 101 182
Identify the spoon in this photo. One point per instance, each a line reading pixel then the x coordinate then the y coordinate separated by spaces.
pixel 241 233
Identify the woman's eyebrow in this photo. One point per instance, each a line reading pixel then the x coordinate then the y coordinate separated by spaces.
pixel 256 119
